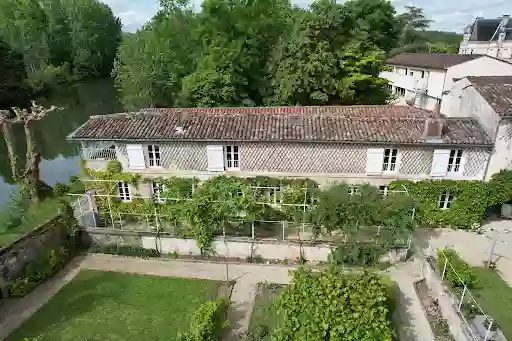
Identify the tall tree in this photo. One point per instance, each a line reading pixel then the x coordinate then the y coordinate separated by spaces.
pixel 151 63
pixel 325 61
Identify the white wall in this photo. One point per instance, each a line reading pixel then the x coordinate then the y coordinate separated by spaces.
pixel 484 66
pixel 436 80
pixel 502 154
pixel 492 49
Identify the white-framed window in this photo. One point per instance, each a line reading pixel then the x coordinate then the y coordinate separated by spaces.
pixel 154 155
pixel 232 157
pixel 123 191
pixel 273 194
pixel 384 190
pixel 158 189
pixel 445 200
pixel 400 91
pixel 389 87
pixel 454 161
pixel 417 73
pixel 389 164
pixel 353 189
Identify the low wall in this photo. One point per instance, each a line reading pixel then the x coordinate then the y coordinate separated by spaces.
pixel 231 247
pixel 14 256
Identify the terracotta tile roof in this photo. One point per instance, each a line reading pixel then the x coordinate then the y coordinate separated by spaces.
pixel 497 91
pixel 372 124
pixel 431 60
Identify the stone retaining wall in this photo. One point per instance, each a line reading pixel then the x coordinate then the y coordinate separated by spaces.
pixel 14 256
pixel 232 247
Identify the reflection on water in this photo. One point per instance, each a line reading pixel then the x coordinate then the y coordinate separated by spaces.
pixel 59 157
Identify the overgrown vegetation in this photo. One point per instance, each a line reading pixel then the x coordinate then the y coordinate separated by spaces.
pixel 100 305
pixel 50 259
pixel 331 305
pixel 460 272
pixel 208 323
pixel 264 317
pixel 124 250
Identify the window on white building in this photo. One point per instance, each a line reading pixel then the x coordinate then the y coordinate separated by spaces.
pixel 123 191
pixel 232 157
pixel 454 161
pixel 445 200
pixel 390 159
pixel 154 155
pixel 158 189
pixel 417 73
pixel 400 91
pixel 384 190
pixel 353 189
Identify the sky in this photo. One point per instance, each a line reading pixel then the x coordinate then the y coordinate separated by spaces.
pixel 448 15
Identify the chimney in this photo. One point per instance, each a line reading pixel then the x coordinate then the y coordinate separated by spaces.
pixel 437 109
pixel 179 125
pixel 434 129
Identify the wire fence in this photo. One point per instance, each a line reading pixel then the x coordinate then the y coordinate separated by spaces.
pixel 90 215
pixel 479 325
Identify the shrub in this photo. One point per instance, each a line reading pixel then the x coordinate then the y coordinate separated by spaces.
pixel 358 254
pixel 459 273
pixel 114 167
pixel 34 272
pixel 125 250
pixel 333 306
pixel 208 322
pixel 60 189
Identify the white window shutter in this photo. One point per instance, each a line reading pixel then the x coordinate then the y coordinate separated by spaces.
pixel 135 156
pixel 215 158
pixel 440 162
pixel 374 160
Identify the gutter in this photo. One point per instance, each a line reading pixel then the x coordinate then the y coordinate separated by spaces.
pixel 387 143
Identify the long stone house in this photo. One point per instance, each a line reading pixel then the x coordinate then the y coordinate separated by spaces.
pixel 354 144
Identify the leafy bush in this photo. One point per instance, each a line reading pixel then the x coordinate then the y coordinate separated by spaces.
pixel 208 323
pixel 125 250
pixel 460 272
pixel 12 214
pixel 332 306
pixel 60 189
pixel 359 254
pixel 114 167
pixel 46 265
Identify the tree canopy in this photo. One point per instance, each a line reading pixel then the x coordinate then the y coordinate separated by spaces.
pixel 58 39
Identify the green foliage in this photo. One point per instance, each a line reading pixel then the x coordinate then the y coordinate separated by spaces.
pixel 11 216
pixel 48 262
pixel 332 306
pixel 356 253
pixel 124 250
pixel 114 167
pixel 460 272
pixel 208 322
pixel 467 210
pixel 60 40
pixel 60 189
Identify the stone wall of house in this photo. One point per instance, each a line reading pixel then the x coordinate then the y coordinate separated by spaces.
pixel 13 257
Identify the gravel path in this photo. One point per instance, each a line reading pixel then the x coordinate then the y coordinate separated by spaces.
pixel 412 321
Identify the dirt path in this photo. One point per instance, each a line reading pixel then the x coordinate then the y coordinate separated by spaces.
pixel 411 317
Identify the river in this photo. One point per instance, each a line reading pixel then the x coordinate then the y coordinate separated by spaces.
pixel 59 157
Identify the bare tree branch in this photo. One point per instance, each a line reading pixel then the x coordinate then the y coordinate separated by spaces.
pixel 36 113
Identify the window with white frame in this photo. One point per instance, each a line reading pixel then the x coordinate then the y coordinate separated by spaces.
pixel 400 91
pixel 390 159
pixel 445 200
pixel 454 161
pixel 273 194
pixel 384 190
pixel 232 157
pixel 353 190
pixel 158 189
pixel 123 191
pixel 154 155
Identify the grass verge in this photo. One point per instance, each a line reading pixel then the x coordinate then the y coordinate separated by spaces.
pixel 110 306
pixel 494 295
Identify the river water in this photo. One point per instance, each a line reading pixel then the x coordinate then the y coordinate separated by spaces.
pixel 59 157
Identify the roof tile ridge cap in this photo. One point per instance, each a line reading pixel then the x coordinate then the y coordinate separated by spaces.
pixel 118 114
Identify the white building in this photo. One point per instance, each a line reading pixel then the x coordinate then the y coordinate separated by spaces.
pixel 492 37
pixel 489 99
pixel 424 80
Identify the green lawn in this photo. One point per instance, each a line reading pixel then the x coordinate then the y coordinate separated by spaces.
pixel 264 316
pixel 34 217
pixel 494 295
pixel 109 306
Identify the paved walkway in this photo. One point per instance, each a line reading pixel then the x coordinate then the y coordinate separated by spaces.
pixel 474 248
pixel 411 319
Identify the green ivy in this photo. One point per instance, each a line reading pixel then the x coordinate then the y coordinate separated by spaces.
pixel 459 273
pixel 472 198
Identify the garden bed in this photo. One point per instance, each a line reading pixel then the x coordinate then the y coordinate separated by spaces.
pixel 109 306
pixel 264 318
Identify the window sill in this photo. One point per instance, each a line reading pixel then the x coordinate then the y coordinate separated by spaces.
pixel 233 169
